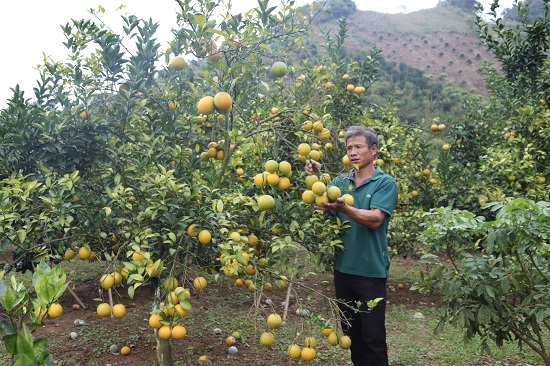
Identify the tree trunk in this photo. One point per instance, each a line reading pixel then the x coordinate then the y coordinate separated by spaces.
pixel 164 351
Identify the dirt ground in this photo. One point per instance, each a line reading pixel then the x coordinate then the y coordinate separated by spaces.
pixel 91 347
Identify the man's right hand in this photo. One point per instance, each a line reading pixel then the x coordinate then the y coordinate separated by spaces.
pixel 312 167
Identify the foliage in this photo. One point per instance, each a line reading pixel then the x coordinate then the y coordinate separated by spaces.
pixel 497 286
pixel 48 285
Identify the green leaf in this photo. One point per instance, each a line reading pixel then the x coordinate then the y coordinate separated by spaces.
pixel 131 292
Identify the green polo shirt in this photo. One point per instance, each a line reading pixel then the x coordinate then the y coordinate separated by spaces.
pixel 366 250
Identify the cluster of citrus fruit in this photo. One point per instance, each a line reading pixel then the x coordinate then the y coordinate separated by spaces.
pixel 318 192
pixel 84 253
pixel 203 236
pixel 170 314
pixel 221 103
pixel 307 151
pixel 117 311
pixel 318 129
pixel 214 150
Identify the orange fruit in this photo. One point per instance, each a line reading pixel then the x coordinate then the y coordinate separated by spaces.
pixel 103 309
pixel 223 102
pixel 125 351
pixel 310 180
pixel 170 283
pixel 271 166
pixel 279 69
pixel 204 237
pixel 178 332
pixel 154 321
pixel 206 105
pixel 178 63
pixel 230 340
pixel 119 310
pixel 118 278
pixel 193 230
pixel 304 149
pixel 333 193
pixel 326 331
pixel 164 332
pixel 274 321
pixel 332 339
pixel 199 283
pixel 250 270
pixel 180 311
pixel 84 253
pixel 107 281
pixel 310 342
pixel 253 240
pixel 137 256
pixel 348 199
pixel 308 196
pixel 55 311
pixel 266 202
pixel 69 254
pixel 267 339
pixel 84 115
pixel 345 342
pixel 294 351
pixel 308 353
pixel 319 188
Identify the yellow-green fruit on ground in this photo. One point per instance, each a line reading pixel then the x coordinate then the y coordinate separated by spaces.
pixel 69 254
pixel 223 102
pixel 199 283
pixel 206 105
pixel 348 199
pixel 266 202
pixel 119 310
pixel 319 188
pixel 274 320
pixel 279 69
pixel 345 342
pixel 178 63
pixel 267 339
pixel 294 351
pixel 333 193
pixel 310 342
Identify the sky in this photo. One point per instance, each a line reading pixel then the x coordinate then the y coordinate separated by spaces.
pixel 31 28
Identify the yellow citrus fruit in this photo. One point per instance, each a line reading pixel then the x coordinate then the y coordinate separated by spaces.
pixel 151 270
pixel 348 199
pixel 239 171
pixel 317 127
pixel 193 230
pixel 445 147
pixel 310 180
pixel 326 331
pixel 277 229
pixel 119 310
pixel 333 193
pixel 271 166
pixel 319 188
pixel 350 87
pixel 346 161
pixel 180 311
pixel 199 283
pixel 172 298
pixel 314 155
pixel 267 287
pixel 414 193
pixel 308 125
pixel 55 311
pixel 204 237
pixel 178 63
pixel 69 254
pixel 432 180
pixel 170 283
pixel 206 105
pixel 304 149
pixel 223 102
pixel 84 115
pixel 107 281
pixel 285 168
pixel 308 196
pixel 426 172
pixel 294 351
pixel 273 179
pixel 332 339
pixel 267 339
pixel 125 351
pixel 441 127
pixel 124 272
pixel 308 353
pixel 84 253
pixel 266 202
pixel 118 278
pixel 310 342
pixel 274 320
pixel 250 269
pixel 379 162
pixel 328 146
pixel 178 332
pixel 230 340
pixel 284 183
pixel 103 309
pixel 302 158
pixel 239 282
pixel 279 69
pixel 345 342
pixel 154 321
pixel 137 256
pixel 164 332
pixel 284 281
pixel 259 180
pixel 252 240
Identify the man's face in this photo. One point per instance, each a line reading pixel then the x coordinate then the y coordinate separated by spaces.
pixel 359 152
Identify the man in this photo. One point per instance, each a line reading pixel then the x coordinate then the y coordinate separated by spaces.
pixel 361 269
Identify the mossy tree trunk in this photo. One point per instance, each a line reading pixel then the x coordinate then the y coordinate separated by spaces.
pixel 164 351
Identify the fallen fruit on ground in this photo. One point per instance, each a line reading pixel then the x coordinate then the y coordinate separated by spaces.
pixel 199 283
pixel 267 339
pixel 125 351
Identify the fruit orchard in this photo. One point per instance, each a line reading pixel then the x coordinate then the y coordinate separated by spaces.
pixel 181 165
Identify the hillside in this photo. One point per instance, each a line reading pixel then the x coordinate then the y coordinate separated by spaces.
pixel 441 42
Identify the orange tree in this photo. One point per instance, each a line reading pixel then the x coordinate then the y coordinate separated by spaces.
pixel 160 159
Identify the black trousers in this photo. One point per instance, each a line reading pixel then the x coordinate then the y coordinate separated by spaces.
pixel 367 330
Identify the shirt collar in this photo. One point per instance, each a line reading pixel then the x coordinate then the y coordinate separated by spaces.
pixel 377 174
